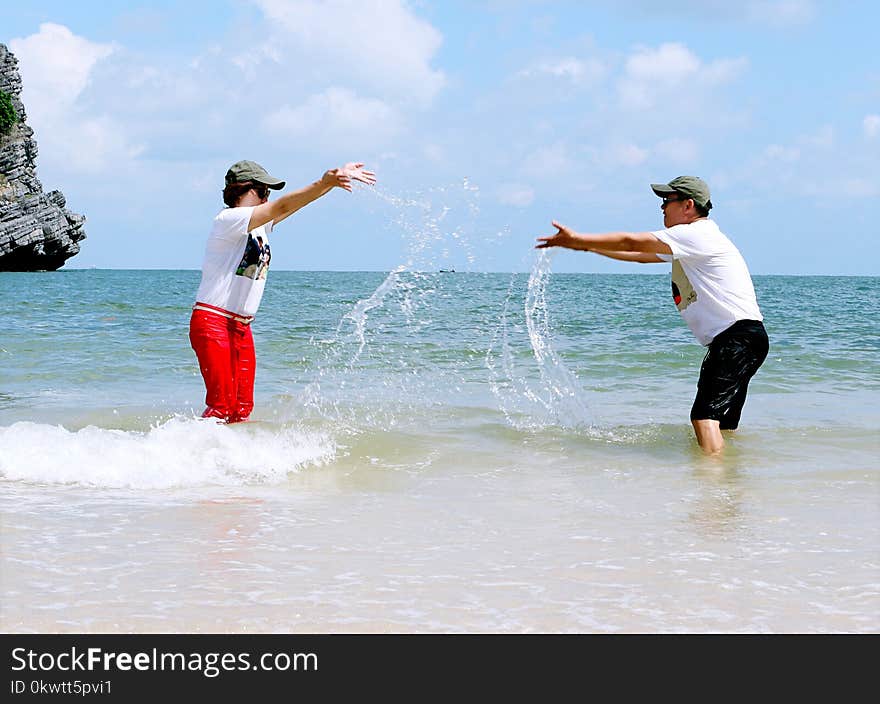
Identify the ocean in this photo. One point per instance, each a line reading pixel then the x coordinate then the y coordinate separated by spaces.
pixel 434 452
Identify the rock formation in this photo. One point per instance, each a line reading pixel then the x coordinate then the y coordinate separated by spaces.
pixel 37 232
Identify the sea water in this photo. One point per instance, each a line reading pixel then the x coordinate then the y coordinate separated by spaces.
pixel 434 452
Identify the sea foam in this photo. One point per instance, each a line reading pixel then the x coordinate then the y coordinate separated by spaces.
pixel 180 452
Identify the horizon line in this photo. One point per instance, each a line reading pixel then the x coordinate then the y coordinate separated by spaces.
pixel 439 271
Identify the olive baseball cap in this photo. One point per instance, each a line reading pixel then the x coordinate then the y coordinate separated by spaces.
pixel 690 186
pixel 242 171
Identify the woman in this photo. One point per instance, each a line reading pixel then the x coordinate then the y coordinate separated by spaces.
pixel 234 275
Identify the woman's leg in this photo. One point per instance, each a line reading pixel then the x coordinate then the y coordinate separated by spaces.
pixel 244 370
pixel 209 337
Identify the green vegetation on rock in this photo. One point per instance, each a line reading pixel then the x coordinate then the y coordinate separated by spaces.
pixel 8 116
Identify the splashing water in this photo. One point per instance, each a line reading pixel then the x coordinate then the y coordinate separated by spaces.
pixel 427 220
pixel 179 452
pixel 437 225
pixel 555 399
pixel 408 301
pixel 358 314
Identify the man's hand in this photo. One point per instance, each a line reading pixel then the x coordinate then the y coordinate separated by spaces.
pixel 564 237
pixel 343 176
pixel 631 244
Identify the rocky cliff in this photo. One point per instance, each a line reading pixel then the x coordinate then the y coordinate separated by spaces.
pixel 37 232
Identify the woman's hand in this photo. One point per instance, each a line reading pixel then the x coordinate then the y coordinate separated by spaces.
pixel 343 176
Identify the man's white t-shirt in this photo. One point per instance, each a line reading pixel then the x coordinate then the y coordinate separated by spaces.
pixel 236 263
pixel 711 285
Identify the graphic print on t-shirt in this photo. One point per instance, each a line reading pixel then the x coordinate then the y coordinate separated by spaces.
pixel 682 292
pixel 255 262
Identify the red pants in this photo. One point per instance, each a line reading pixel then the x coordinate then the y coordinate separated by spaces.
pixel 225 349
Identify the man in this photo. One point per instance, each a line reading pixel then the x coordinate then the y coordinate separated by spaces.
pixel 234 273
pixel 712 289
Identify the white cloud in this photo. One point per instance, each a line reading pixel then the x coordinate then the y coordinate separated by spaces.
pixel 669 63
pixel 860 188
pixel 651 74
pixel 95 105
pixel 804 151
pixel 628 155
pixel 103 145
pixel 516 194
pixel 382 42
pixel 778 153
pixel 677 150
pixel 337 115
pixel 781 12
pixel 822 138
pixel 56 66
pixel 871 125
pixel 723 71
pixel 435 153
pixel 548 162
pixel 577 71
pixel 807 164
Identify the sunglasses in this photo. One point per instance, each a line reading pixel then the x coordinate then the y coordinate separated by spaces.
pixel 667 201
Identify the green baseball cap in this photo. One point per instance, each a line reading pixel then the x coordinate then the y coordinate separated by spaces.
pixel 242 171
pixel 690 186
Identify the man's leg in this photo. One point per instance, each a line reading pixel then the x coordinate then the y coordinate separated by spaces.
pixel 759 347
pixel 707 428
pixel 709 435
pixel 732 359
pixel 730 421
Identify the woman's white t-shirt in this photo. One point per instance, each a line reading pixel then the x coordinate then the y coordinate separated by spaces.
pixel 236 263
pixel 711 284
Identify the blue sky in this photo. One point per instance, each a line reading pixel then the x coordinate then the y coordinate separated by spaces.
pixel 483 121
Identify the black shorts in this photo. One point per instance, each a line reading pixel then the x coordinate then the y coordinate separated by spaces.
pixel 733 358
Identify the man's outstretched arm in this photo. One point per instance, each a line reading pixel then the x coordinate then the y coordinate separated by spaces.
pixel 627 242
pixel 640 257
